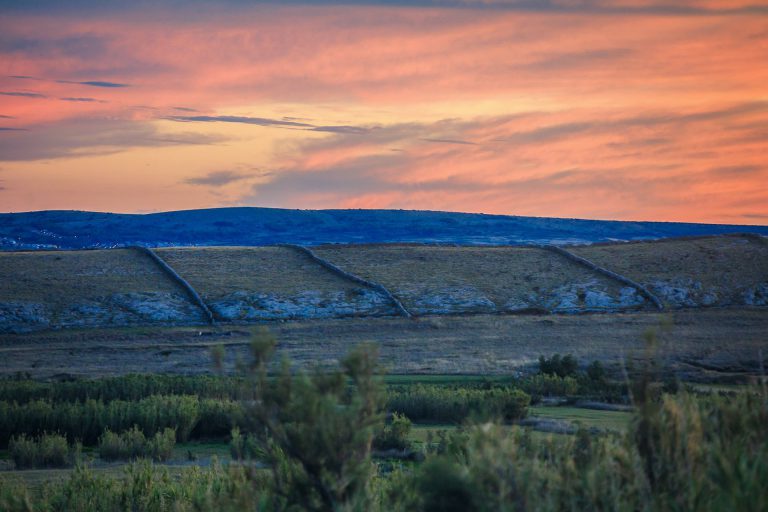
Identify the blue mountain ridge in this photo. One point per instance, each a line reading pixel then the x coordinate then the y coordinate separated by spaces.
pixel 66 229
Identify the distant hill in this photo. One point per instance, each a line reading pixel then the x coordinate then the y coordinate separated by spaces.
pixel 267 226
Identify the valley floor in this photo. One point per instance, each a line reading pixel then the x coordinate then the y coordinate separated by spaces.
pixel 698 344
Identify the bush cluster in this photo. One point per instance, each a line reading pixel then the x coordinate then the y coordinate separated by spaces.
pixel 45 451
pixel 127 387
pixel 88 420
pixel 682 452
pixel 441 404
pixel 242 446
pixel 133 444
pixel 562 366
pixel 142 488
pixel 394 435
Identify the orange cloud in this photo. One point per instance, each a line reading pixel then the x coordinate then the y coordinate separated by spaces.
pixel 621 109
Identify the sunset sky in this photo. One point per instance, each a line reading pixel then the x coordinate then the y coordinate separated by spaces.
pixel 606 109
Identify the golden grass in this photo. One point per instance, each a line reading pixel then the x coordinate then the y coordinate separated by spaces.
pixel 501 274
pixel 727 263
pixel 66 277
pixel 216 272
pixel 479 344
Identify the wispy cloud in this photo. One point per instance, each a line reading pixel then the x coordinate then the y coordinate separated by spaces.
pixel 260 121
pixel 95 83
pixel 90 83
pixel 23 94
pixel 263 121
pixel 570 60
pixel 657 7
pixel 217 178
pixel 449 141
pixel 610 108
pixel 737 170
pixel 82 100
pixel 91 137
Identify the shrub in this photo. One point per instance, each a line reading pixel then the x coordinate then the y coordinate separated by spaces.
pixel 89 419
pixel 132 444
pixel 317 429
pixel 127 387
pixel 394 435
pixel 596 372
pixel 565 366
pixel 242 447
pixel 46 451
pixel 142 488
pixel 441 404
pixel 543 384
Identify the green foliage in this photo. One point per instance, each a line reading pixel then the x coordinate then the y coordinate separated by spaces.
pixel 691 454
pixel 315 430
pixel 565 366
pixel 132 444
pixel 543 384
pixel 142 488
pixel 596 372
pixel 683 452
pixel 242 446
pixel 394 435
pixel 127 387
pixel 46 451
pixel 441 404
pixel 88 420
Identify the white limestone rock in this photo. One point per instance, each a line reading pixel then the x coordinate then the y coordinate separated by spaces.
pixel 453 300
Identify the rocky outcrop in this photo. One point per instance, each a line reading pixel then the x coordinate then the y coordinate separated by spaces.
pixel 352 277
pixel 756 295
pixel 685 292
pixel 245 306
pixel 608 273
pixel 170 272
pixel 117 310
pixel 452 300
pixel 23 317
pixel 586 297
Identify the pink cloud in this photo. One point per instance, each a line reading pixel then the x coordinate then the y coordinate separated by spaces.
pixel 613 109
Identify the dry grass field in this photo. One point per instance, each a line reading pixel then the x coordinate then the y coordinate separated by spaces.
pixel 713 271
pixel 61 277
pixel 242 283
pixel 88 288
pixel 699 343
pixel 429 279
pixel 123 287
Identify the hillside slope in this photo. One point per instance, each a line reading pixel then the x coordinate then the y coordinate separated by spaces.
pixel 268 283
pixel 715 271
pixel 39 290
pixel 443 280
pixel 117 287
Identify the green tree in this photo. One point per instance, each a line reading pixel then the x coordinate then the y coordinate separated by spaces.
pixel 315 430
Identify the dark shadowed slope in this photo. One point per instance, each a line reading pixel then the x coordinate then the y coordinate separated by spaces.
pixel 266 226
